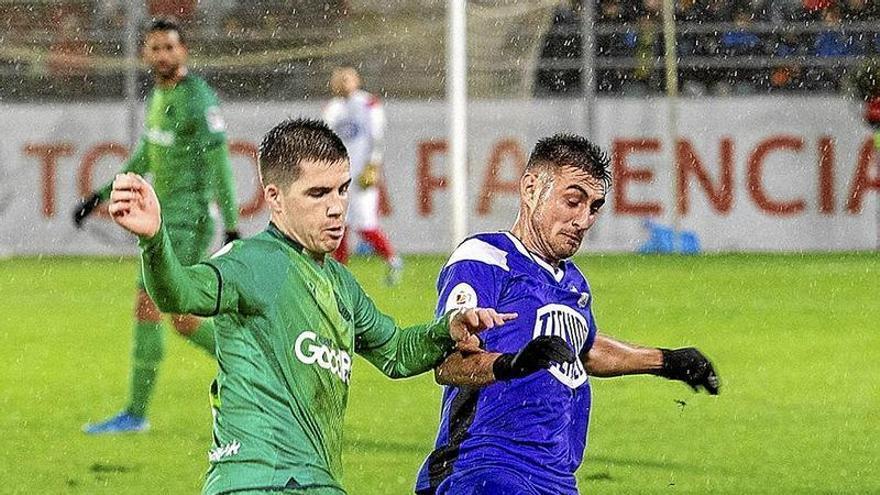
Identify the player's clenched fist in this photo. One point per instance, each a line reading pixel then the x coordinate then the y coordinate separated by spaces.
pixel 690 366
pixel 134 205
pixel 464 323
pixel 539 354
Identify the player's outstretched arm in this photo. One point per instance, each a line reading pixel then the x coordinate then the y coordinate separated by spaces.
pixel 610 357
pixel 483 368
pixel 217 157
pixel 137 164
pixel 174 288
pixel 403 352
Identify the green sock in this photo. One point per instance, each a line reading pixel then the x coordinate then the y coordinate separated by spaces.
pixel 203 337
pixel 147 353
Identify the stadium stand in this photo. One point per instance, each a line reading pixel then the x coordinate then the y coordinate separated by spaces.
pixel 265 49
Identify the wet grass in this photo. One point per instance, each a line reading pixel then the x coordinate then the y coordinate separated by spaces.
pixel 796 340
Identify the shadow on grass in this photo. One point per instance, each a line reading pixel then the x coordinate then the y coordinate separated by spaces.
pixel 386 446
pixel 361 444
pixel 592 460
pixel 101 468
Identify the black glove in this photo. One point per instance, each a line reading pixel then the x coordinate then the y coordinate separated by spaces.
pixel 85 208
pixel 690 366
pixel 537 355
pixel 231 235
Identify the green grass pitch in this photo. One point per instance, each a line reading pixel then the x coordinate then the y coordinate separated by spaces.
pixel 795 338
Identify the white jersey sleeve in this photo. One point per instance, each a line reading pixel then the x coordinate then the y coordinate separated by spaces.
pixel 332 112
pixel 377 129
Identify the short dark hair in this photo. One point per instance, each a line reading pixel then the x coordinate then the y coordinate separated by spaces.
pixel 164 25
pixel 571 150
pixel 289 143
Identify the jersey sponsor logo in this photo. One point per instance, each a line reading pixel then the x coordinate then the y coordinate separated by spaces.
pixel 565 322
pixel 222 451
pixel 309 351
pixel 461 296
pixel 158 136
pixel 215 120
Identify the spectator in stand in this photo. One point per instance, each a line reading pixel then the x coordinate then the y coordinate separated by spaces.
pixel 783 11
pixel 610 12
pixel 717 11
pixel 741 41
pixel 645 43
pixel 834 41
pixel 561 43
pixel 854 10
pixel 789 45
pixel 814 8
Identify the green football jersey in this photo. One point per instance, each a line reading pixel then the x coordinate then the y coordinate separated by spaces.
pixel 287 328
pixel 184 148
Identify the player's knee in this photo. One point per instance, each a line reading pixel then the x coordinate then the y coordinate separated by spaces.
pixel 145 309
pixel 185 325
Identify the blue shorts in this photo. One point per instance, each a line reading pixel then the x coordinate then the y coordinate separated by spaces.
pixel 491 481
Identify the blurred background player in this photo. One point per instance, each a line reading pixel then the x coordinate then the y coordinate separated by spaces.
pixel 184 148
pixel 359 119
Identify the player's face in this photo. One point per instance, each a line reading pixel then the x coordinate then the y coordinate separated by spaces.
pixel 566 210
pixel 344 82
pixel 164 53
pixel 312 209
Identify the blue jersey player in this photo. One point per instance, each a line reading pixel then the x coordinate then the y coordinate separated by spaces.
pixel 512 422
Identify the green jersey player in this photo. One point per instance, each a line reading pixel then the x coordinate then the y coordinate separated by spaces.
pixel 184 149
pixel 289 318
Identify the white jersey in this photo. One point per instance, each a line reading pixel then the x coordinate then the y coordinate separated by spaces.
pixel 360 121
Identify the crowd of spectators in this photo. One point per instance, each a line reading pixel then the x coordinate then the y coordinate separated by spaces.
pixel 724 47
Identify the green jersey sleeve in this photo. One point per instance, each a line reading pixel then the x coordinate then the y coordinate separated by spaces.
pixel 136 163
pixel 210 131
pixel 197 289
pixel 224 184
pixel 397 352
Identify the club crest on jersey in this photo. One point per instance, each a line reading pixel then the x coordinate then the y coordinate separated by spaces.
pixel 584 300
pixel 565 322
pixel 461 296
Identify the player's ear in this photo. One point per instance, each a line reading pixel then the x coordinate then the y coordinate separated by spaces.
pixel 529 189
pixel 272 196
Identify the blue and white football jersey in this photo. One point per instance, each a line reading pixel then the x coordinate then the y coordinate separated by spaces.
pixel 536 425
